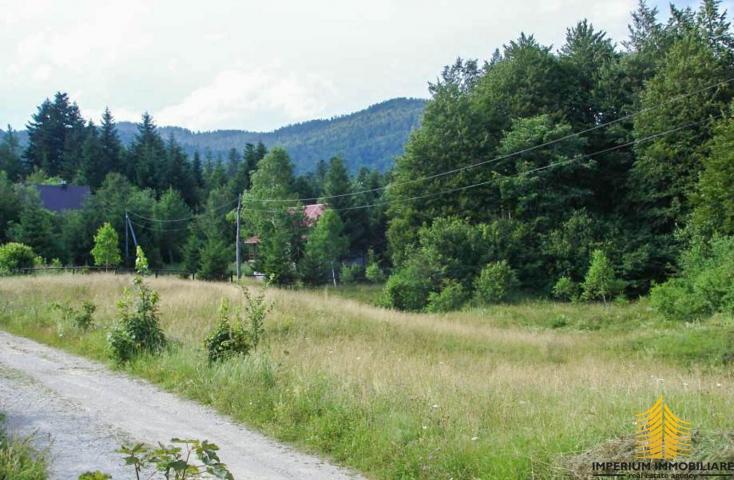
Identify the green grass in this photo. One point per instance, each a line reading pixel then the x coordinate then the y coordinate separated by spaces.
pixel 18 459
pixel 508 391
pixel 362 292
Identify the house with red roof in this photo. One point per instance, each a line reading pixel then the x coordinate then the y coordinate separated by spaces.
pixel 311 214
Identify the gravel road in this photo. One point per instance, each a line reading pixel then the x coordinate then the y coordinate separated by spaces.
pixel 81 412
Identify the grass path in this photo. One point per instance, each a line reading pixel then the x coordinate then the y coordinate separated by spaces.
pixel 504 392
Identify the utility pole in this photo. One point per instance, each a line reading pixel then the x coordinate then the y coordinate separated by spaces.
pixel 237 241
pixel 127 248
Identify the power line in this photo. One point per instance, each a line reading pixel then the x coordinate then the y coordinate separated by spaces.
pixel 184 219
pixel 516 153
pixel 459 169
pixel 474 185
pixel 550 165
pixel 527 172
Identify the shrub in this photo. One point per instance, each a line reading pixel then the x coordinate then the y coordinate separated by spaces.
pixel 374 273
pixel 228 338
pixel 350 273
pixel 214 260
pixel 600 281
pixel 565 289
pixel 141 261
pixel 452 297
pixel 706 283
pixel 138 329
pixel 176 462
pixel 106 251
pixel 14 256
pixel 408 288
pixel 235 335
pixel 96 475
pixel 495 282
pixel 82 319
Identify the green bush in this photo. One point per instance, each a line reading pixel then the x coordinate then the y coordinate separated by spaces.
pixel 96 475
pixel 82 319
pixel 600 281
pixel 705 285
pixel 349 274
pixel 566 289
pixel 214 260
pixel 495 282
pixel 138 329
pixel 14 256
pixel 228 338
pixel 141 261
pixel 235 335
pixel 176 461
pixel 408 288
pixel 374 273
pixel 453 296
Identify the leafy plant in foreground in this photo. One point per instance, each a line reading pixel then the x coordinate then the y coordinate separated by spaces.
pixel 175 462
pixel 235 335
pixel 138 328
pixel 82 319
pixel 96 475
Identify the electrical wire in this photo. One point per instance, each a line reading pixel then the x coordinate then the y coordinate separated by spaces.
pixel 578 158
pixel 455 170
pixel 513 154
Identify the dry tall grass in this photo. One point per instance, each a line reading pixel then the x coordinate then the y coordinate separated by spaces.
pixel 466 395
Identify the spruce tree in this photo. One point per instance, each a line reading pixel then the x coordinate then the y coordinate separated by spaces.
pixel 91 169
pixel 10 160
pixel 111 149
pixel 55 137
pixel 147 154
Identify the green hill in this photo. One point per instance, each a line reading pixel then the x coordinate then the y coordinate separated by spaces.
pixel 372 137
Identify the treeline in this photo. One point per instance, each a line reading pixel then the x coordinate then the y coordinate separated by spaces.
pixel 181 209
pixel 586 173
pixel 590 148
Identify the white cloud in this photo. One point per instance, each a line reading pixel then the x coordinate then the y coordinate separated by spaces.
pixel 238 97
pixel 258 64
pixel 120 114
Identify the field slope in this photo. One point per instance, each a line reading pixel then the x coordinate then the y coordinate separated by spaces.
pixel 515 391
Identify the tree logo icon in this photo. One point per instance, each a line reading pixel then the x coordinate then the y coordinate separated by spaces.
pixel 661 435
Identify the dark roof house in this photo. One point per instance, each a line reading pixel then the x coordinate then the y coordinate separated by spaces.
pixel 58 198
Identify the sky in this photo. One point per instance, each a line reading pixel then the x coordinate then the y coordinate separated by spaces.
pixel 259 65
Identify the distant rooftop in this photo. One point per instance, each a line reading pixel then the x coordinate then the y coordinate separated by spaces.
pixel 62 197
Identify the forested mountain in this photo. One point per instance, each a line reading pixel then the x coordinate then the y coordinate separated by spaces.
pixel 372 137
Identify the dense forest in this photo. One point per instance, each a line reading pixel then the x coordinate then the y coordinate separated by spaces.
pixel 590 172
pixel 372 137
pixel 553 156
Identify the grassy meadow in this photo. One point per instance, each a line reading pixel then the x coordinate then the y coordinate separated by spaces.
pixel 513 391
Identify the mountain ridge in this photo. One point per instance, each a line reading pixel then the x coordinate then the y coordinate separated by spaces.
pixel 371 137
